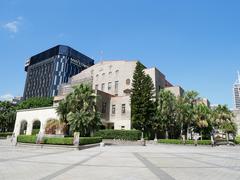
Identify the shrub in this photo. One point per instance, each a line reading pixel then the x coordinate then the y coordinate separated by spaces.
pixel 27 138
pixel 89 140
pixel 5 134
pixel 237 140
pixel 58 141
pixel 169 141
pixel 178 141
pixel 35 131
pixel 132 135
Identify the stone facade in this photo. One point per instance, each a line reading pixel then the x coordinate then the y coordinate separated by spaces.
pixel 29 116
pixel 112 82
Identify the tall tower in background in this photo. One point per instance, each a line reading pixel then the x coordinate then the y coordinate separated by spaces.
pixel 236 91
pixel 48 69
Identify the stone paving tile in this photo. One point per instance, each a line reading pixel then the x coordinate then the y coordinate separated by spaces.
pixel 108 173
pixel 120 162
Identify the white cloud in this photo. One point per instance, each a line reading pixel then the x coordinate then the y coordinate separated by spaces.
pixel 13 26
pixel 6 97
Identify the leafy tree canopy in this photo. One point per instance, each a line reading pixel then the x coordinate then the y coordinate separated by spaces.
pixel 36 102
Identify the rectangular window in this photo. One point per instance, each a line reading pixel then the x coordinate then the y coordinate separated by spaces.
pixel 96 87
pixel 113 109
pixel 116 86
pixel 123 108
pixel 103 87
pixel 109 86
pixel 104 107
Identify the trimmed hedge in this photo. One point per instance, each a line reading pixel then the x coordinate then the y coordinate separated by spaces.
pixel 89 140
pixel 178 141
pixel 35 131
pixel 58 141
pixel 237 140
pixel 5 134
pixel 132 135
pixel 27 138
pixel 170 141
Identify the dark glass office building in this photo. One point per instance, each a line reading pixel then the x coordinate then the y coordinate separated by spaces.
pixel 48 69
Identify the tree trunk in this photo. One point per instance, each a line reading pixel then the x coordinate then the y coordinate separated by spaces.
pixel 188 132
pixel 166 134
pixel 142 136
pixel 201 135
pixel 155 139
pixel 227 136
pixel 181 132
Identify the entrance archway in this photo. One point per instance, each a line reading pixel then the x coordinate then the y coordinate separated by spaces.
pixel 23 127
pixel 36 127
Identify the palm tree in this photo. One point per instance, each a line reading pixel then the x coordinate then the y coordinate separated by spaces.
pixel 190 100
pixel 166 105
pixel 181 113
pixel 83 116
pixel 201 117
pixel 223 119
pixel 62 111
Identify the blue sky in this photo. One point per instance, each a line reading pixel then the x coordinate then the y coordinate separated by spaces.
pixel 196 44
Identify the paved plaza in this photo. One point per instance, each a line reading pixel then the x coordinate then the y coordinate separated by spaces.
pixel 120 162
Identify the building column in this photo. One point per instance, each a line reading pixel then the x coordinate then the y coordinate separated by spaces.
pixel 17 128
pixel 42 127
pixel 29 128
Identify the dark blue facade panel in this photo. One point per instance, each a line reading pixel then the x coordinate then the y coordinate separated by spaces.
pixel 47 70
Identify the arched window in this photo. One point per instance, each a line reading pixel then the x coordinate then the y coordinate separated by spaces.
pixel 23 127
pixel 36 127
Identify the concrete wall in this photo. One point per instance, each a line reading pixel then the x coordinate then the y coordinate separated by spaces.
pixel 109 72
pixel 106 72
pixel 31 115
pixel 121 120
pixel 176 90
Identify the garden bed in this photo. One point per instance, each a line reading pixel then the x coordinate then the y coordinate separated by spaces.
pixel 129 135
pixel 178 141
pixel 58 140
pixel 4 135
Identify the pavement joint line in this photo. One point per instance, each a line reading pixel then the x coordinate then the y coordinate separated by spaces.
pixel 209 163
pixel 31 156
pixel 64 164
pixel 62 171
pixel 220 157
pixel 154 169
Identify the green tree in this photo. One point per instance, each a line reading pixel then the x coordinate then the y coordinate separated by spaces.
pixel 83 116
pixel 181 113
pixel 190 100
pixel 202 117
pixel 223 119
pixel 35 102
pixel 142 99
pixel 62 111
pixel 7 116
pixel 166 107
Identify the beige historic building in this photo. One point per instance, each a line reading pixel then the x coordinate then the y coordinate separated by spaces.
pixel 112 82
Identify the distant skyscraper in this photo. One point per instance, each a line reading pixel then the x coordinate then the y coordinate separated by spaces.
pixel 236 90
pixel 48 69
